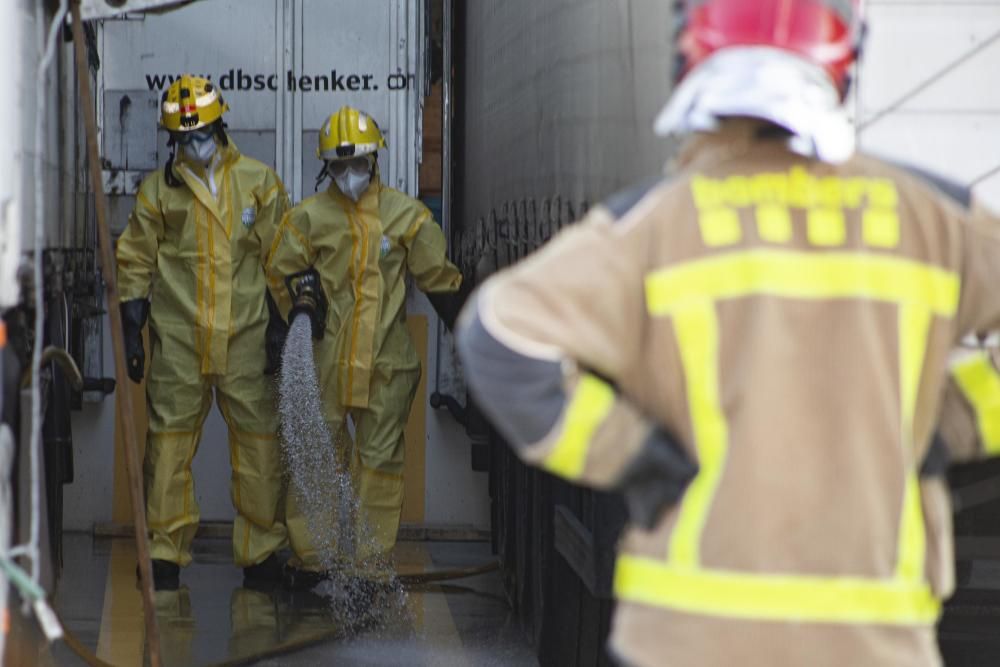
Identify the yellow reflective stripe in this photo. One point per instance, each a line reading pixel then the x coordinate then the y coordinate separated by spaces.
pixel 697 331
pixel 880 228
pixel 720 227
pixel 980 384
pixel 591 404
pixel 774 597
pixel 912 554
pixel 774 223
pixel 826 227
pixel 914 327
pixel 803 275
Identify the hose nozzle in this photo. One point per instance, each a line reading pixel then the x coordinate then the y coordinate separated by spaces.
pixel 307 294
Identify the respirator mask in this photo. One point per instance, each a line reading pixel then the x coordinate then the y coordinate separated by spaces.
pixel 352 176
pixel 198 146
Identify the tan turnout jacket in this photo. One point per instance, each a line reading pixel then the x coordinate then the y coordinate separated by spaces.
pixel 789 321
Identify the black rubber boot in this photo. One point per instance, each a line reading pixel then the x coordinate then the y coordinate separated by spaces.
pixel 295 579
pixel 371 593
pixel 267 571
pixel 166 575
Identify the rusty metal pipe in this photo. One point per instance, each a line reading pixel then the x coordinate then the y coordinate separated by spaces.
pixel 124 396
pixel 65 361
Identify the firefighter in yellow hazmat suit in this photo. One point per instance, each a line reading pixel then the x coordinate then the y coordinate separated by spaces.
pixel 191 258
pixel 362 238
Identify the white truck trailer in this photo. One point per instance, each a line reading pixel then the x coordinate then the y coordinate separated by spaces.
pixel 283 66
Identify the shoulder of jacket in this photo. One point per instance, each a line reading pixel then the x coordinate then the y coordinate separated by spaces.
pixel 955 192
pixel 249 165
pixel 310 203
pixel 397 197
pixel 394 201
pixel 623 202
pixel 152 184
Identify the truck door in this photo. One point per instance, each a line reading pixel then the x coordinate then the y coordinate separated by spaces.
pixel 283 66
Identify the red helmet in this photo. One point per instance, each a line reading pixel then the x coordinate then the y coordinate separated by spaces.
pixel 824 32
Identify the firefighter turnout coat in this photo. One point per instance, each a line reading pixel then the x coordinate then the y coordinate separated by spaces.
pixel 789 323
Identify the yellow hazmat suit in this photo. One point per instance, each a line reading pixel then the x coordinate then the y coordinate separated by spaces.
pixel 366 362
pixel 196 251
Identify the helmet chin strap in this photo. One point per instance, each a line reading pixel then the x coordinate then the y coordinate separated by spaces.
pixel 769 84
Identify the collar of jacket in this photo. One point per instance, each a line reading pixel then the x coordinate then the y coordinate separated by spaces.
pixel 357 354
pixel 733 138
pixel 197 180
pixel 229 154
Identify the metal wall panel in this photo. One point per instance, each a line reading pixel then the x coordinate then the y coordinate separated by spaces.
pixel 97 9
pixel 34 22
pixel 217 38
pixel 560 99
pixel 379 47
pixel 130 118
pixel 13 16
pixel 927 92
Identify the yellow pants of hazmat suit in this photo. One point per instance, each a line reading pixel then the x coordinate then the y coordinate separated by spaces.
pixel 376 465
pixel 178 403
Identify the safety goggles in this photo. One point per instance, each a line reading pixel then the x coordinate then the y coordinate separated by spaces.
pixel 340 167
pixel 185 138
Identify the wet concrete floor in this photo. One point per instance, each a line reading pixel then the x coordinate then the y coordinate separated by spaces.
pixel 213 619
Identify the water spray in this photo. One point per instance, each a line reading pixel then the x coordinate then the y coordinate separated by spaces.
pixel 317 458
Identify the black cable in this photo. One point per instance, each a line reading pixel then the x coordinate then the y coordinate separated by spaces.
pixel 446 575
pixel 80 649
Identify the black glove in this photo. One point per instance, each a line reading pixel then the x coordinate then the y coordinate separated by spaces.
pixel 134 314
pixel 274 336
pixel 937 459
pixel 306 289
pixel 656 479
pixel 448 305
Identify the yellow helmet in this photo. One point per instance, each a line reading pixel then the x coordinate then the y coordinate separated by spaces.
pixel 347 134
pixel 191 103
